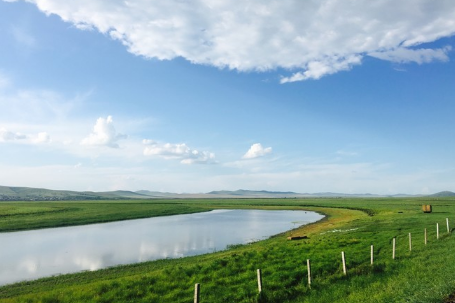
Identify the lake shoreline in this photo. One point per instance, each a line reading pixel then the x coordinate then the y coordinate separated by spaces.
pixel 350 225
pixel 96 246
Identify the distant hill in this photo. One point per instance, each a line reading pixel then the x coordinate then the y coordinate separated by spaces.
pixel 156 194
pixel 253 193
pixel 443 194
pixel 342 195
pixel 41 194
pixel 283 194
pixel 121 194
pixel 8 193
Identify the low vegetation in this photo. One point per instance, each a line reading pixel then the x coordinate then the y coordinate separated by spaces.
pixel 15 216
pixel 425 274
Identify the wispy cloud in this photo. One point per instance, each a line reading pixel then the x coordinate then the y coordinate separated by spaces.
pixel 419 56
pixel 23 37
pixel 31 106
pixel 6 135
pixel 181 151
pixel 347 153
pixel 311 38
pixel 323 67
pixel 14 137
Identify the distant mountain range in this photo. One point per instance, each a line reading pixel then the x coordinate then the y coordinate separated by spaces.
pixel 40 194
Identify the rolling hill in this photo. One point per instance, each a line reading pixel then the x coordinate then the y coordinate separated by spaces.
pixel 8 193
pixel 443 194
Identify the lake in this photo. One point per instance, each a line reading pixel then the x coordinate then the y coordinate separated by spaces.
pixel 29 255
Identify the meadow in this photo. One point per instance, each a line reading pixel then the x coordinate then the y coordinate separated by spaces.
pixel 424 274
pixel 16 216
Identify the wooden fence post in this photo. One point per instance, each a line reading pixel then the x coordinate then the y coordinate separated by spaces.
pixel 447 222
pixel 410 242
pixel 259 280
pixel 343 259
pixel 309 272
pixel 372 255
pixel 425 235
pixel 437 230
pixel 197 288
pixel 393 248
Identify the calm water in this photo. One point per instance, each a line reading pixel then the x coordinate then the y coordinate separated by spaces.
pixel 39 253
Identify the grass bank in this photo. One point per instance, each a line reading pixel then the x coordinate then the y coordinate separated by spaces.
pixel 15 216
pixel 425 274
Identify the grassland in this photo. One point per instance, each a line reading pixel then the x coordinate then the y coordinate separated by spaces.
pixel 15 216
pixel 425 274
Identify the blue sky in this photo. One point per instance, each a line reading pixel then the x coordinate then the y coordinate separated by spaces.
pixel 197 96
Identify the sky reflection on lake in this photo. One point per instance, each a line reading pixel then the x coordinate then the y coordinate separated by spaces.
pixel 39 253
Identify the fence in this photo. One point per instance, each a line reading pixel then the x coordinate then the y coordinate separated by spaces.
pixel 343 261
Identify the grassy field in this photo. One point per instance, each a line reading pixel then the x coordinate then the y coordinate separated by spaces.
pixel 425 274
pixel 16 216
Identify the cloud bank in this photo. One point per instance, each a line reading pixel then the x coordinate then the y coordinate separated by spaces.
pixel 181 152
pixel 309 39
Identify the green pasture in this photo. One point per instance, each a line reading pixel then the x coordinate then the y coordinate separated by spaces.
pixel 424 274
pixel 16 216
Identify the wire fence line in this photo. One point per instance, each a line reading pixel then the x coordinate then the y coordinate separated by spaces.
pixel 197 287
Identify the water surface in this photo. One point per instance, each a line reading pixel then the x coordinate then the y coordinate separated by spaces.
pixel 33 254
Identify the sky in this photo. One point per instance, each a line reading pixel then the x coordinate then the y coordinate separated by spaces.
pixel 193 96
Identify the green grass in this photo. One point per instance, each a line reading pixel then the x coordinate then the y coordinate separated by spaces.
pixel 426 274
pixel 16 216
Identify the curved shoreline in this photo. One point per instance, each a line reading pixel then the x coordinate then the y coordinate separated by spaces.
pixel 91 247
pixel 335 217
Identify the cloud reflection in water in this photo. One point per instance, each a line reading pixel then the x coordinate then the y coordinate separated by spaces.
pixel 33 254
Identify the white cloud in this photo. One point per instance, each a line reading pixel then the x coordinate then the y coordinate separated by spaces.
pixel 6 135
pixel 311 38
pixel 42 137
pixel 104 134
pixel 181 151
pixel 256 150
pixel 420 56
pixel 9 136
pixel 328 66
